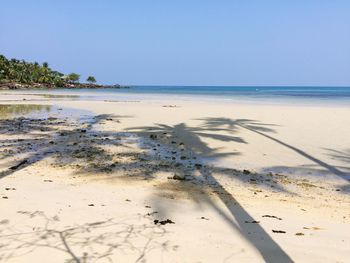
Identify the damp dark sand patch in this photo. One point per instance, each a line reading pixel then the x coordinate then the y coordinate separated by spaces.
pixel 55 96
pixel 27 141
pixel 30 132
pixel 46 95
pixel 66 139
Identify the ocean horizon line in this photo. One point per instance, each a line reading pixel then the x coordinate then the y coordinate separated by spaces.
pixel 241 86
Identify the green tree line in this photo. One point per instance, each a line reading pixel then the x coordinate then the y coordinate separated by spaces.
pixel 21 71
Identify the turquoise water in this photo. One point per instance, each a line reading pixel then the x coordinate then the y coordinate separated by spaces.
pixel 309 92
pixel 236 91
pixel 333 95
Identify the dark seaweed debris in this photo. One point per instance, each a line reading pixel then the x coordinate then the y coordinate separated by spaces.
pixel 279 231
pixel 163 222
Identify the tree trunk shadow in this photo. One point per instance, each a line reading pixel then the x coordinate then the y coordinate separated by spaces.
pixel 254 233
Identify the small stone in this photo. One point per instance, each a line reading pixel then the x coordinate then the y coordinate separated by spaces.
pixel 198 165
pixel 252 222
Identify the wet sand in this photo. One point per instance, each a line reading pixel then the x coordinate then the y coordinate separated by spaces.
pixel 173 181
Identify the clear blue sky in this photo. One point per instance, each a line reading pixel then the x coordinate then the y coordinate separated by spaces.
pixel 184 42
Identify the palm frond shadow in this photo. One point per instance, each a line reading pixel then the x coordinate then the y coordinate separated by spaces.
pixel 191 137
pixel 262 130
pixel 188 136
pixel 343 156
pixel 87 149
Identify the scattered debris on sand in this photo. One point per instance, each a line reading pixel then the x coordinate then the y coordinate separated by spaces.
pixel 279 231
pixel 270 216
pixel 15 167
pixel 163 222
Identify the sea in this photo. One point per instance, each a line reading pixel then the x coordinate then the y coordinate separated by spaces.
pixel 255 94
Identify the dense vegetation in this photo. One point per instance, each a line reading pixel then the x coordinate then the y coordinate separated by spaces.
pixel 20 71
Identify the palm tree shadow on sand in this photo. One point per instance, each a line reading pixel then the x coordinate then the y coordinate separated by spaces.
pixel 231 125
pixel 143 166
pixel 191 136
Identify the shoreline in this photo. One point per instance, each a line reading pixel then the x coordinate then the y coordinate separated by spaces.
pixel 110 94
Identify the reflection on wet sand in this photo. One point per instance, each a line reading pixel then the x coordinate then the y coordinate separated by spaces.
pixel 47 96
pixel 13 110
pixel 55 96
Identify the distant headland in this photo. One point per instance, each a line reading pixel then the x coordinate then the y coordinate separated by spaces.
pixel 20 74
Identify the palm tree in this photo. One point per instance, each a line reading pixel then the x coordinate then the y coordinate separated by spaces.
pixel 91 79
pixel 21 71
pixel 73 77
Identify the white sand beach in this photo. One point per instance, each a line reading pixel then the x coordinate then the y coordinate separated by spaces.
pixel 173 180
